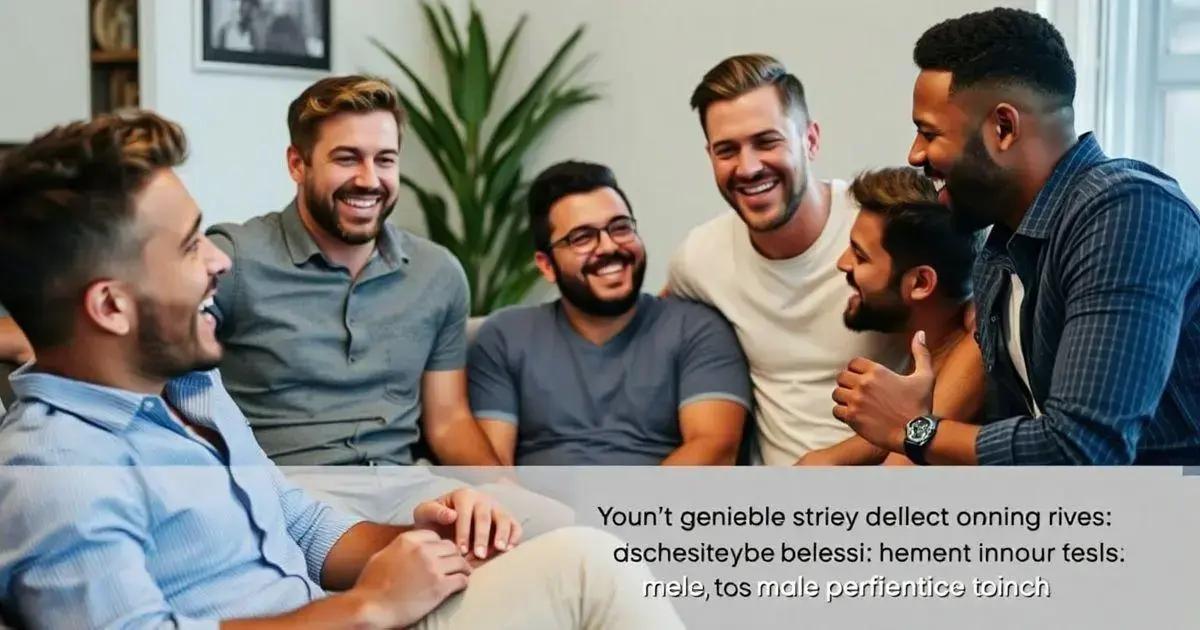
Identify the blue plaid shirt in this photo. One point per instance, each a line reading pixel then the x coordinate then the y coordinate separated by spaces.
pixel 113 516
pixel 1109 254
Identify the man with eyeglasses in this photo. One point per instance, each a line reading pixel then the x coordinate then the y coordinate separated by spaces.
pixel 606 374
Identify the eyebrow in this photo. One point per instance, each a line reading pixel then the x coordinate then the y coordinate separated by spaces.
pixel 193 232
pixel 356 151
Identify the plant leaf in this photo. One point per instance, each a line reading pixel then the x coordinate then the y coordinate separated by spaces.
pixel 512 119
pixel 443 127
pixel 434 209
pixel 451 58
pixel 475 92
pixel 506 50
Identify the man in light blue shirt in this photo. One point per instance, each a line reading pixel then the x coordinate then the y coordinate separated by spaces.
pixel 132 492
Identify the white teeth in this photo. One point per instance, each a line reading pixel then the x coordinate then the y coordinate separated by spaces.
pixel 609 270
pixel 759 188
pixel 360 202
pixel 206 305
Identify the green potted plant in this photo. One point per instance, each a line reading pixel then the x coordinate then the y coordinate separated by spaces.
pixel 482 167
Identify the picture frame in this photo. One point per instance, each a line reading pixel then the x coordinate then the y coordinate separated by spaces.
pixel 277 37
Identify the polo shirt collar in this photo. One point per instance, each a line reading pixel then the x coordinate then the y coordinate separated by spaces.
pixel 302 247
pixel 111 408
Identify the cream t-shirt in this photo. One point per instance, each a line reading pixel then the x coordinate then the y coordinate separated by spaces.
pixel 788 318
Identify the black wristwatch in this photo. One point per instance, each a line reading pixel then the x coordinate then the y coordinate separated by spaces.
pixel 918 433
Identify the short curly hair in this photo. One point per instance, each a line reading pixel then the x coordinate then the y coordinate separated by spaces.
pixel 67 213
pixel 1000 46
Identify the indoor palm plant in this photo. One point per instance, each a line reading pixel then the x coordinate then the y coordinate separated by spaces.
pixel 482 167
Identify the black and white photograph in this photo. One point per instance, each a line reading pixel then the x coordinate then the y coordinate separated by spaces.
pixel 260 35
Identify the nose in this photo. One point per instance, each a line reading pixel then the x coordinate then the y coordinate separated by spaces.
pixel 366 177
pixel 844 261
pixel 748 163
pixel 916 153
pixel 215 261
pixel 605 244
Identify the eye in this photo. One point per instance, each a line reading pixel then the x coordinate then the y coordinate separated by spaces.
pixel 768 144
pixel 386 161
pixel 928 135
pixel 581 237
pixel 193 246
pixel 345 160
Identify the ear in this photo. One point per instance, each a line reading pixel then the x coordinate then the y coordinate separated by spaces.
pixel 812 137
pixel 1007 125
pixel 545 265
pixel 919 283
pixel 109 307
pixel 295 164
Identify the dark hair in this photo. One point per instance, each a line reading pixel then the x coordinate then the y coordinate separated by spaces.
pixel 1000 46
pixel 561 180
pixel 917 230
pixel 67 213
pixel 740 74
pixel 333 95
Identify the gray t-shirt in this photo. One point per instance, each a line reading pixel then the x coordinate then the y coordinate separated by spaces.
pixel 328 368
pixel 575 403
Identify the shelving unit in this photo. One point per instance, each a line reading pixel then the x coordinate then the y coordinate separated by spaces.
pixel 114 55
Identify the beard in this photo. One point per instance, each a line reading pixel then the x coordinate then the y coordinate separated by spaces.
pixel 579 294
pixel 981 192
pixel 883 311
pixel 164 353
pixel 324 211
pixel 793 192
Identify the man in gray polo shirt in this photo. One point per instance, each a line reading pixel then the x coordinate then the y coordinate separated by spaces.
pixel 607 374
pixel 345 336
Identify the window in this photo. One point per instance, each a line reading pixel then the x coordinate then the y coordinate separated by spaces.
pixel 1138 63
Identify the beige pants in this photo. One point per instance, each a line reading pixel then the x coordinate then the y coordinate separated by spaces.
pixel 563 580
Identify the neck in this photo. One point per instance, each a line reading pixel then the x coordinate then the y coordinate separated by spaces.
pixel 944 323
pixel 802 230
pixel 335 250
pixel 1039 164
pixel 99 364
pixel 597 329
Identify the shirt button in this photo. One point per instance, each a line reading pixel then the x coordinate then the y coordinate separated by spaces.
pixel 148 405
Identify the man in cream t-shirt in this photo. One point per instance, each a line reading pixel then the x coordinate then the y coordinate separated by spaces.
pixel 771 269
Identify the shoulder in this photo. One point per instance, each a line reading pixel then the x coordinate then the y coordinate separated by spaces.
pixel 35 433
pixel 256 234
pixel 715 232
pixel 1125 185
pixel 517 322
pixel 694 320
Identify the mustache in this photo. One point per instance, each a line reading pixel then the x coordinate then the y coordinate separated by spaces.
pixel 608 259
pixel 850 281
pixel 351 189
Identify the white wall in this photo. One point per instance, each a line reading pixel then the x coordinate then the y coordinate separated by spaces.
pixel 43 66
pixel 237 123
pixel 853 56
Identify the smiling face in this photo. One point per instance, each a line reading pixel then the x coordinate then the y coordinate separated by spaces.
pixel 603 280
pixel 760 154
pixel 174 286
pixel 877 302
pixel 950 147
pixel 351 180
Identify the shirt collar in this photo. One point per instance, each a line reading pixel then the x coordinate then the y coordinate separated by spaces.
pixel 302 247
pixel 1040 219
pixel 112 408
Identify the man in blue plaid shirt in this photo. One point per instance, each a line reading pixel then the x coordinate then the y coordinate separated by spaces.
pixel 1089 286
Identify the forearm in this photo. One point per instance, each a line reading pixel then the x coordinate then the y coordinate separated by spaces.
pixel 853 451
pixel 460 442
pixel 347 611
pixel 350 554
pixel 704 451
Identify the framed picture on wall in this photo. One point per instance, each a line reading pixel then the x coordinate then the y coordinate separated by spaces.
pixel 263 36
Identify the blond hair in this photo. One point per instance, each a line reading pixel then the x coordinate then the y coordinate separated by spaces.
pixel 887 188
pixel 328 97
pixel 740 74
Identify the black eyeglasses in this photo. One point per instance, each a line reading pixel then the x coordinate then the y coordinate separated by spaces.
pixel 585 239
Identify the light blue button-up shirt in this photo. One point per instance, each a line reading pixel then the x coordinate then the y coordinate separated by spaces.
pixel 112 514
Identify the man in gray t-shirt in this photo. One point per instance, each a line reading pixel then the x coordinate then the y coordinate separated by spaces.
pixel 345 337
pixel 607 374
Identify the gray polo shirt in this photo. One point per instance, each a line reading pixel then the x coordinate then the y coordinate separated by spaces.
pixel 326 367
pixel 575 403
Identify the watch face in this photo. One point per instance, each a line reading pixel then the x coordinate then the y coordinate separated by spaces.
pixel 919 429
